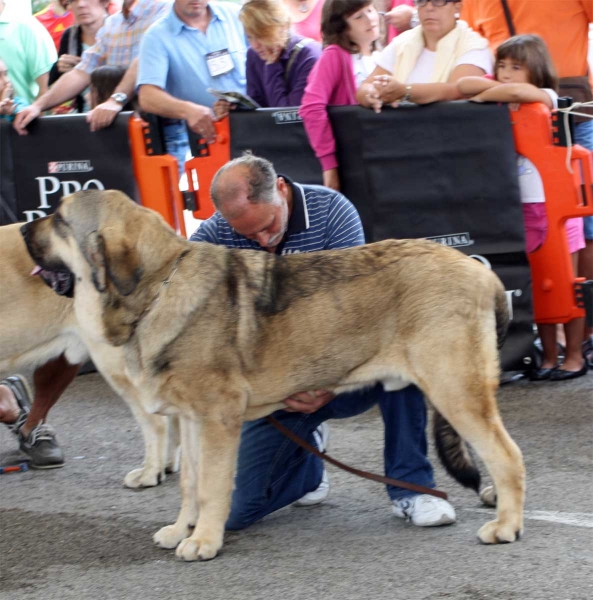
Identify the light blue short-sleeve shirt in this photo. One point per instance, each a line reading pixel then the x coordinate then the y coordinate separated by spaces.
pixel 173 55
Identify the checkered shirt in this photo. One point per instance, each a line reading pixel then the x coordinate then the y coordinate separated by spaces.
pixel 118 41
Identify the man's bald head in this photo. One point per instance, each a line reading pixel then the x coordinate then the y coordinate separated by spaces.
pixel 245 180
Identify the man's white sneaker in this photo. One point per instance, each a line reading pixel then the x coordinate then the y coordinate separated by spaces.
pixel 317 496
pixel 424 510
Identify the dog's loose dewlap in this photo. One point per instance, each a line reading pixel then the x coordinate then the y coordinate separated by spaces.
pixel 233 332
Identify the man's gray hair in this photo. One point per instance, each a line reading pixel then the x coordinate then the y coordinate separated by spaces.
pixel 261 179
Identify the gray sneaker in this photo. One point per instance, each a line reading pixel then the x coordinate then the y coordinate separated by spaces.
pixel 40 445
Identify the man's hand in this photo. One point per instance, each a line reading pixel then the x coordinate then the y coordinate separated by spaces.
pixel 399 17
pixel 67 62
pixel 222 108
pixel 23 118
pixel 200 119
pixel 308 402
pixel 103 115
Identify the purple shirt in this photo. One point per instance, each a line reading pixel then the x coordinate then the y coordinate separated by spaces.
pixel 267 84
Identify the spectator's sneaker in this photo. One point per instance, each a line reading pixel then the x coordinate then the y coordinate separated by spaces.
pixel 317 496
pixel 20 390
pixel 424 510
pixel 42 448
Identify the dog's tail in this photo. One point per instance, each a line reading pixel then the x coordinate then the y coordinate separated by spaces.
pixel 454 453
pixel 501 313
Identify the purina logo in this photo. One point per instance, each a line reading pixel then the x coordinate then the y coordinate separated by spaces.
pixel 69 166
pixel 453 240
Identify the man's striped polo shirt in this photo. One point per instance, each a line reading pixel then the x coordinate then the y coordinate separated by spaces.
pixel 321 219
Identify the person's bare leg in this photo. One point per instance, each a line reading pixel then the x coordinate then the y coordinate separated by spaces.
pixel 50 380
pixel 585 269
pixel 573 359
pixel 547 334
pixel 9 409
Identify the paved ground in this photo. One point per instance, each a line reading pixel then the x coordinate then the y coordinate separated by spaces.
pixel 76 533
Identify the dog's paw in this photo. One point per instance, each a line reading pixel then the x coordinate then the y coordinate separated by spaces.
pixel 170 536
pixel 191 549
pixel 488 496
pixel 144 477
pixel 495 532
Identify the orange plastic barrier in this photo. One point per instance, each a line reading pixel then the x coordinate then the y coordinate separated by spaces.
pixel 157 176
pixel 209 159
pixel 567 195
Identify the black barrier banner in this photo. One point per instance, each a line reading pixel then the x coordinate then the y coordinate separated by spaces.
pixel 277 133
pixel 59 156
pixel 446 172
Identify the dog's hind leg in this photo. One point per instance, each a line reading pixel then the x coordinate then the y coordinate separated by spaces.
pixel 470 407
pixel 171 535
pixel 173 446
pixel 219 446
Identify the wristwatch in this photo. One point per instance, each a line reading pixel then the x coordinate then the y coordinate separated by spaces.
pixel 119 97
pixel 407 95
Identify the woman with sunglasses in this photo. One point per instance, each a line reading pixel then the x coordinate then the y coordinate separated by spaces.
pixel 422 65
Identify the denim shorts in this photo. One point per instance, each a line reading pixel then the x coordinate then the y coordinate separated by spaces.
pixel 583 135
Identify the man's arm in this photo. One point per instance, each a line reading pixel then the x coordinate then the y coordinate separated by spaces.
pixel 104 114
pixel 67 87
pixel 200 119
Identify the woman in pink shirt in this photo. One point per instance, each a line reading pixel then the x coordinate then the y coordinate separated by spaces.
pixel 350 31
pixel 305 16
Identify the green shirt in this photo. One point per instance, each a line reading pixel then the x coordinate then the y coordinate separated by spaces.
pixel 28 51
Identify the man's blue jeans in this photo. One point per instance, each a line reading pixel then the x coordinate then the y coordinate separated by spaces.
pixel 176 141
pixel 273 472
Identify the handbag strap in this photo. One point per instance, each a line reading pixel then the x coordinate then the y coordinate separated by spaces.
pixel 297 48
pixel 508 17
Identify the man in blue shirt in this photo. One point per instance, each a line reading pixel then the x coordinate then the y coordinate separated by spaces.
pixel 259 210
pixel 195 47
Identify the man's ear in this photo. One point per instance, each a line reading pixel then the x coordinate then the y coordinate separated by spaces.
pixel 94 252
pixel 123 267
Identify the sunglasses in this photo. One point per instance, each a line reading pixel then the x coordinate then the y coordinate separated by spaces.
pixel 421 3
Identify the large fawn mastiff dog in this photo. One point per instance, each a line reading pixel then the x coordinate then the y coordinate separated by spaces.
pixel 221 336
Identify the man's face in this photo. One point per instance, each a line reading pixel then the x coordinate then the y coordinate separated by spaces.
pixel 263 222
pixel 190 9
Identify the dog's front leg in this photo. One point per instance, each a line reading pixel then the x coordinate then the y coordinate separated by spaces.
pixel 171 535
pixel 219 445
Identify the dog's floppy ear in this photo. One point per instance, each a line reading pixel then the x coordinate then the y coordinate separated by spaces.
pixel 94 252
pixel 123 267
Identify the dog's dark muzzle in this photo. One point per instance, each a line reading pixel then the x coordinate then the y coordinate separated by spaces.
pixel 54 273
